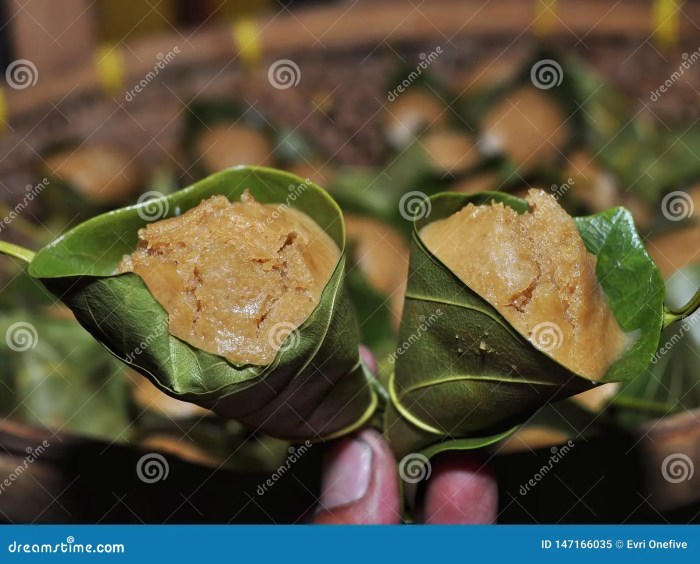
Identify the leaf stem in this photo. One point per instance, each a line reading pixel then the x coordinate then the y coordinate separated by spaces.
pixel 641 404
pixel 16 251
pixel 672 315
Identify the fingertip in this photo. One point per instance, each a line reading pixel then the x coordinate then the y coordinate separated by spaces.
pixel 462 490
pixel 368 359
pixel 360 483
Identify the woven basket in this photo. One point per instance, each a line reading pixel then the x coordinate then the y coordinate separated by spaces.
pixel 346 57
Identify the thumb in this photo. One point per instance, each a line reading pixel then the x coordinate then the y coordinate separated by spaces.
pixel 359 483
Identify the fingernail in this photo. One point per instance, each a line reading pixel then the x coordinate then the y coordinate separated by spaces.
pixel 368 359
pixel 347 474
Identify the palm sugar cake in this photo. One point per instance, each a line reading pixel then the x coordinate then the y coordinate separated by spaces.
pixel 535 270
pixel 234 275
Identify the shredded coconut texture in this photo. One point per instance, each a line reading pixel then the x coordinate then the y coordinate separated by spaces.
pixel 535 270
pixel 235 278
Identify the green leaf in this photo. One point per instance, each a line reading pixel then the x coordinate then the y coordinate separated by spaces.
pixel 632 283
pixel 61 378
pixel 648 159
pixel 315 389
pixel 16 251
pixel 463 372
pixel 670 384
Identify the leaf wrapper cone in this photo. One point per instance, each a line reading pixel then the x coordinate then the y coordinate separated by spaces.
pixel 463 372
pixel 316 387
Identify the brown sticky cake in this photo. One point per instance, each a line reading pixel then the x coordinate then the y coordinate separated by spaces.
pixel 535 270
pixel 235 278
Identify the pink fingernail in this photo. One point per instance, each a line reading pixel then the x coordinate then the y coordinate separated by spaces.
pixel 347 474
pixel 368 359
